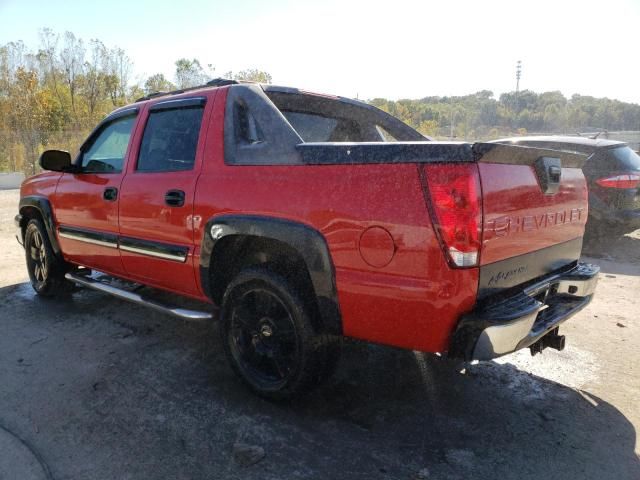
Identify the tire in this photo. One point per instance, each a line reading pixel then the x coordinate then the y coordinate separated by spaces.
pixel 269 338
pixel 599 230
pixel 46 270
pixel 598 236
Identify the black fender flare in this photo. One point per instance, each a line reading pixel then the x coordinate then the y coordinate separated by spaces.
pixel 43 206
pixel 308 242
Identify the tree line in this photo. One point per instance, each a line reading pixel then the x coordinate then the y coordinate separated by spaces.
pixel 53 95
pixel 480 116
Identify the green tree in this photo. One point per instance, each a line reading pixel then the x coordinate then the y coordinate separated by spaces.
pixel 158 83
pixel 72 62
pixel 118 70
pixel 250 75
pixel 93 81
pixel 189 73
pixel 429 128
pixel 56 94
pixel 32 115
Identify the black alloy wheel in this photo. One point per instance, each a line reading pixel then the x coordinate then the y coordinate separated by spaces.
pixel 263 337
pixel 269 338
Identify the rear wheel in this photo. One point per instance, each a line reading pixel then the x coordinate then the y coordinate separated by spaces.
pixel 269 338
pixel 598 234
pixel 46 271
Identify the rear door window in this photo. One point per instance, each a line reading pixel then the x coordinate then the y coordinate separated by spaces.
pixel 170 140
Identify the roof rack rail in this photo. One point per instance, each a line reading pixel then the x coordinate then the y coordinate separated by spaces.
pixel 221 82
pixel 150 96
pixel 216 82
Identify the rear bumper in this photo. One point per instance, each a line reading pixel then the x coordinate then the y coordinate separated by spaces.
pixel 503 326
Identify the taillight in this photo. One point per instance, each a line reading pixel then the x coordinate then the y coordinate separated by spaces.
pixel 456 209
pixel 620 181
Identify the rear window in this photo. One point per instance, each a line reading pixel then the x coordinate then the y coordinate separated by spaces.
pixel 318 118
pixel 386 136
pixel 317 128
pixel 312 128
pixel 627 158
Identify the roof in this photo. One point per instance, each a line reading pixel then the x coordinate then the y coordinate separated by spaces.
pixel 221 82
pixel 267 88
pixel 216 82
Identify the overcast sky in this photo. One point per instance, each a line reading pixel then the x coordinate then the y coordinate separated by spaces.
pixel 394 49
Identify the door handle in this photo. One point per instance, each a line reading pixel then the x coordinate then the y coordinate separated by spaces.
pixel 110 194
pixel 174 198
pixel 554 174
pixel 549 173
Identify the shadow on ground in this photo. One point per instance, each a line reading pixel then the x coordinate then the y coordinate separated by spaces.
pixel 106 389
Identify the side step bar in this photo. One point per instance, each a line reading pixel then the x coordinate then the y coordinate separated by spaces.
pixel 183 313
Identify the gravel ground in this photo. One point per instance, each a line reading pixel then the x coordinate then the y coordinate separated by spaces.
pixel 106 390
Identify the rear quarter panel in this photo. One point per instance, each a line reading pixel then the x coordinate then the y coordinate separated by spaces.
pixel 412 302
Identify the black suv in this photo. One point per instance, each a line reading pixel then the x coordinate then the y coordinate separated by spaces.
pixel 613 175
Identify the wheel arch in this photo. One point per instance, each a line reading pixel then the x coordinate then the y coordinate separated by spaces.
pixel 34 206
pixel 232 242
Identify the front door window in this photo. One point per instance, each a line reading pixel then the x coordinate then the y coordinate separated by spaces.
pixel 106 151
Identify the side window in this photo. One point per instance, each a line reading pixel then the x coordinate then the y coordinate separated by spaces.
pixel 170 140
pixel 106 151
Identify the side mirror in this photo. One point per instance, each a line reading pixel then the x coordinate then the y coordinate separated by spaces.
pixel 56 161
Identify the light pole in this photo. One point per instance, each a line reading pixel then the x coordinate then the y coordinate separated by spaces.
pixel 518 74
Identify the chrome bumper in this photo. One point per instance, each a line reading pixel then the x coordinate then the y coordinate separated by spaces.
pixel 509 324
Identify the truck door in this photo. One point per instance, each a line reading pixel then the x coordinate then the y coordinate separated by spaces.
pixel 156 201
pixel 86 202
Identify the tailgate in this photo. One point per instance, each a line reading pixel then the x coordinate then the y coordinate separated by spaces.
pixel 534 209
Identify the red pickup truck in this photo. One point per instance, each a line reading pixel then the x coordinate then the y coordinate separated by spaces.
pixel 310 217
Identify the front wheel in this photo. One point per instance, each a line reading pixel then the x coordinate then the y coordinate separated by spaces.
pixel 269 338
pixel 46 271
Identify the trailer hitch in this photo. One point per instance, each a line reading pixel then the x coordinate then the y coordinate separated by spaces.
pixel 551 339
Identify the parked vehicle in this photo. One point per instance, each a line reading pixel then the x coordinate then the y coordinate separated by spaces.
pixel 612 170
pixel 310 217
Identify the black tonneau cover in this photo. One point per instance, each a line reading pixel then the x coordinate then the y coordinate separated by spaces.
pixel 326 153
pixel 384 152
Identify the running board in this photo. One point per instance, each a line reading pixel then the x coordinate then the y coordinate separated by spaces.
pixel 183 313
